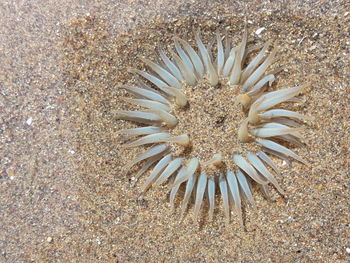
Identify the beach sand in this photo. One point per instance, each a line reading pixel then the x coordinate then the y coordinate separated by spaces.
pixel 64 194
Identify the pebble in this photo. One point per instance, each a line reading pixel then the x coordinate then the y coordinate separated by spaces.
pixel 29 121
pixel 260 30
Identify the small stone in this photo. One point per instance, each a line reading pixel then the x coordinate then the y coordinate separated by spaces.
pixel 312 47
pixel 347 250
pixel 260 30
pixel 10 172
pixel 29 121
pixel 49 240
pixel 320 187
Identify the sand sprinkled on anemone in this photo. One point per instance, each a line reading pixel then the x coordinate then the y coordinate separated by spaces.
pixel 209 119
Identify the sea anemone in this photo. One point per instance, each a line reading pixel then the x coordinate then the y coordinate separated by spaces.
pixel 211 123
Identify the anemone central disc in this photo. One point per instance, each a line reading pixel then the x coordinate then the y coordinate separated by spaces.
pixel 212 126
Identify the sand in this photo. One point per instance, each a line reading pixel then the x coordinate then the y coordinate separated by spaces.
pixel 64 196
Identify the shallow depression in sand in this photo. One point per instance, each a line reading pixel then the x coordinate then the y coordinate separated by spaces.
pixel 211 119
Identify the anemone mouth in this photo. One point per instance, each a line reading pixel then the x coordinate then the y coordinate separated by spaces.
pixel 185 102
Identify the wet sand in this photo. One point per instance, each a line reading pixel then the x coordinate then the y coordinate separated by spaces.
pixel 64 195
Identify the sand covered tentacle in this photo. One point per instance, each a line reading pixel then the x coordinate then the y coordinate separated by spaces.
pixel 182 54
pixel 261 84
pixel 149 104
pixel 270 100
pixel 272 132
pixel 254 77
pixel 255 62
pixel 225 197
pixel 216 160
pixel 276 113
pixel 169 170
pixel 201 187
pixel 220 54
pixel 234 190
pixel 156 171
pixel 211 196
pixel 138 116
pixel 192 167
pixel 248 169
pixel 273 98
pixel 169 119
pixel 229 63
pixel 151 78
pixel 149 153
pixel 175 188
pixel 209 68
pixel 186 71
pixel 164 74
pixel 280 149
pixel 149 94
pixel 141 131
pixel 244 185
pixel 171 66
pixel 196 60
pixel 180 98
pixel 189 187
pixel 261 168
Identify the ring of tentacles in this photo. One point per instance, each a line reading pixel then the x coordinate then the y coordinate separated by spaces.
pixel 209 123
